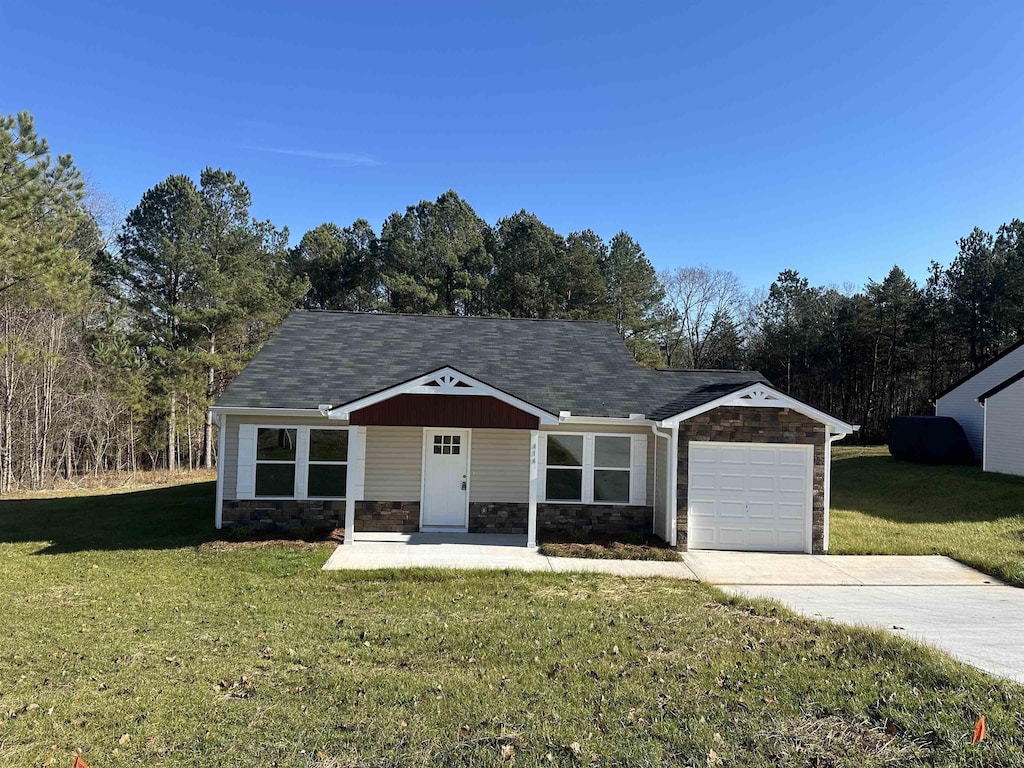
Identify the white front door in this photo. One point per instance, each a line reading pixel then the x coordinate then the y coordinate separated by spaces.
pixel 750 496
pixel 445 480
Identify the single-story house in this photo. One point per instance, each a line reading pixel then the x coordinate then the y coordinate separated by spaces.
pixel 388 422
pixel 989 405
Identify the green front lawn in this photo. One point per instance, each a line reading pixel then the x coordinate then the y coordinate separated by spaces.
pixel 128 638
pixel 889 507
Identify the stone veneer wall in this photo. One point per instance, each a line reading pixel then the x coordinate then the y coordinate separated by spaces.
pixel 391 516
pixel 744 424
pixel 498 517
pixel 574 519
pixel 375 516
pixel 556 520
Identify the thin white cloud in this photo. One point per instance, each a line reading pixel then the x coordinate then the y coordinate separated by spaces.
pixel 338 158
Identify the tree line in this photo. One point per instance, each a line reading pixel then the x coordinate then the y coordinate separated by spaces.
pixel 117 333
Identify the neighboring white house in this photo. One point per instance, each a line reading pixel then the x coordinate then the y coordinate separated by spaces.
pixel 540 428
pixel 1004 426
pixel 961 401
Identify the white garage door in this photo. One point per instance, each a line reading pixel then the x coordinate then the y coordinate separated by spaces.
pixel 753 496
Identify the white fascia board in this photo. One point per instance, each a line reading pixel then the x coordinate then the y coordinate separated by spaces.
pixel 418 386
pixel 608 420
pixel 227 410
pixel 778 400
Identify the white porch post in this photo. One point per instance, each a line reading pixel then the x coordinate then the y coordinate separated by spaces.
pixel 222 423
pixel 354 480
pixel 531 517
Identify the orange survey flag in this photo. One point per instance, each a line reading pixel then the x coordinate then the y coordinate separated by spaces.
pixel 979 730
pixel 79 763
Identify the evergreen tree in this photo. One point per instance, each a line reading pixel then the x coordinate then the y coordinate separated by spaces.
pixel 634 296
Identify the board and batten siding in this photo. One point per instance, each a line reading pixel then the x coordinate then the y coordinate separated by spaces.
pixel 1004 431
pixel 394 463
pixel 962 401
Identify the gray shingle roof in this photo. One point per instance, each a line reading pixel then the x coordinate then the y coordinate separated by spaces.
pixel 558 365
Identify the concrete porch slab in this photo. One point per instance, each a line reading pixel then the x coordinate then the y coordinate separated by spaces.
pixel 479 551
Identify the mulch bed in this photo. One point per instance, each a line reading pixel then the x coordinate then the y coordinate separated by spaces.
pixel 650 548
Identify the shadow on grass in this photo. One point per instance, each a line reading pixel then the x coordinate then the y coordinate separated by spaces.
pixel 905 492
pixel 158 518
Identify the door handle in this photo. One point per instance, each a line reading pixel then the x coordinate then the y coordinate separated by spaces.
pixel 463 485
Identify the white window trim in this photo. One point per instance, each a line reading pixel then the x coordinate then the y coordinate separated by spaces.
pixel 588 468
pixel 301 461
pixel 309 463
pixel 257 461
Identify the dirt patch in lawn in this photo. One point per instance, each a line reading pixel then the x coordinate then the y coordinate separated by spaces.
pixel 643 548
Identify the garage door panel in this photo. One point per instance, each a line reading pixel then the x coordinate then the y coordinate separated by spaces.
pixel 793 483
pixel 792 458
pixel 703 481
pixel 727 508
pixel 731 538
pixel 790 541
pixel 733 456
pixel 732 482
pixel 750 496
pixel 761 509
pixel 763 457
pixel 702 508
pixel 792 511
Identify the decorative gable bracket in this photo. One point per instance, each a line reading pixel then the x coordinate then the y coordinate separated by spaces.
pixel 444 381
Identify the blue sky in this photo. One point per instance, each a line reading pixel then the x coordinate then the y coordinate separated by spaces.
pixel 833 138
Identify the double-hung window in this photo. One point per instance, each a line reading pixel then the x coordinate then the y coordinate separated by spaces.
pixel 275 461
pixel 588 468
pixel 328 463
pixel 611 468
pixel 564 480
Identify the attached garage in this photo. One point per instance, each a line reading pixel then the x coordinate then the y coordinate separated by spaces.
pixel 750 496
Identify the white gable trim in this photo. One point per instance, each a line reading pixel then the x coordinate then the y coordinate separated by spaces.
pixel 444 381
pixel 762 396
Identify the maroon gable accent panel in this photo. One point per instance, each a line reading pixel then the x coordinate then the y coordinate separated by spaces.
pixel 479 411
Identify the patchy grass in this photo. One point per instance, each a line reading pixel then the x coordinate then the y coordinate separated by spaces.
pixel 610 550
pixel 128 640
pixel 889 507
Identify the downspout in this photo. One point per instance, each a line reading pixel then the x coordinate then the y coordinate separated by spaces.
pixel 221 421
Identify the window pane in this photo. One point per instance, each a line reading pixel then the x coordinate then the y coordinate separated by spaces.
pixel 327 480
pixel 564 484
pixel 565 450
pixel 611 452
pixel 328 445
pixel 275 444
pixel 275 479
pixel 611 485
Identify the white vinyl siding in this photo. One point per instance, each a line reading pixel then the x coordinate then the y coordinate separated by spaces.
pixel 1004 431
pixel 394 461
pixel 500 465
pixel 962 402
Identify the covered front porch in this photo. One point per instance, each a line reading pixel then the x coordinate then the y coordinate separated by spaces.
pixel 486 551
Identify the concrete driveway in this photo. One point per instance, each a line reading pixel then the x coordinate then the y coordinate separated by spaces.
pixel 936 600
